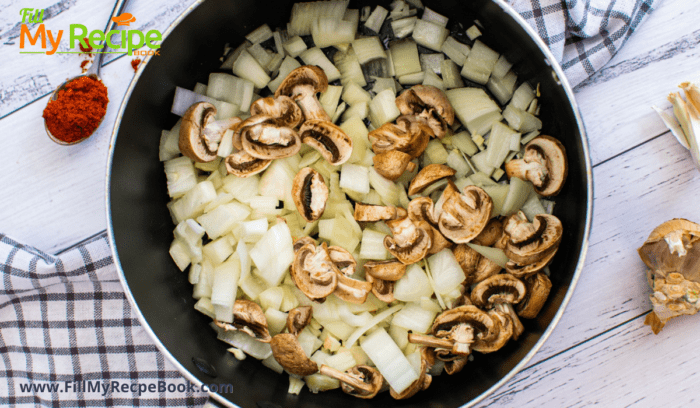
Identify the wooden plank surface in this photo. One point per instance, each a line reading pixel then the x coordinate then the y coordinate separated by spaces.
pixel 600 352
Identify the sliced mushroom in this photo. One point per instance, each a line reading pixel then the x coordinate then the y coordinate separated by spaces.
pixel 422 383
pixel 538 287
pixel 456 330
pixel 522 271
pixel 382 289
pixel 289 354
pixel 310 194
pixel 283 108
pixel 249 318
pixel 544 164
pixel 360 381
pixel 530 242
pixel 409 243
pixel 407 135
pixel 373 213
pixel 343 260
pixel 491 233
pixel 383 276
pixel 429 104
pixel 298 318
pixel 303 241
pixel 241 164
pixel 302 85
pixel 475 266
pixel 313 272
pixel 334 145
pixel 392 164
pixel 501 291
pixel 420 211
pixel 267 140
pixel 352 290
pixel 429 175
pixel 505 332
pixel 464 216
pixel 200 134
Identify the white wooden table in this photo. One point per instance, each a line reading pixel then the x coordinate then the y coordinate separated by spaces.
pixel 53 197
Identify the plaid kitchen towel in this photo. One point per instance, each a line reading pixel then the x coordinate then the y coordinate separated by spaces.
pixel 583 34
pixel 69 337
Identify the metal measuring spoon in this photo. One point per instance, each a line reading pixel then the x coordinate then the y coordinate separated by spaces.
pixel 93 72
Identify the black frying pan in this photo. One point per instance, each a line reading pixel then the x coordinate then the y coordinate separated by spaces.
pixel 142 230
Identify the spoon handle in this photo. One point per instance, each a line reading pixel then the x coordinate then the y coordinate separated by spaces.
pixel 119 7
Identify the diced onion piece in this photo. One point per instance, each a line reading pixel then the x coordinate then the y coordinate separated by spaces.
pixel 271 298
pixel 404 27
pixel 273 365
pixel 498 194
pixel 249 68
pixel 457 162
pixel 304 14
pixel 204 306
pixel 243 258
pixel 431 79
pixel 399 335
pixel 185 98
pixel 288 65
pixel 464 143
pixel 494 254
pixel 233 55
pixel 223 289
pixel 479 63
pixel 378 318
pixel 180 175
pixel 342 361
pixel 261 55
pixel 329 99
pixel 479 161
pixel 518 193
pixel 178 251
pixel 218 251
pixel 226 144
pixel 327 31
pixel 193 202
pixel 501 68
pixel 260 34
pixel 414 318
pixel 446 271
pixel 354 178
pixel 389 360
pixel 376 19
pixel 200 88
pixel 429 35
pixel 405 58
pixel 474 108
pixel 168 147
pixel 222 219
pixel 435 18
pixel 277 182
pixel 314 56
pixel 455 50
pixel 319 382
pixel 500 141
pixel 368 49
pixel 202 289
pixel 435 152
pixel 523 96
pixel 355 128
pixel 243 188
pixel 432 62
pixel 349 67
pixel 294 46
pixel 372 245
pixel 473 32
pixel 520 120
pixel 245 342
pixel 387 189
pixel 382 108
pixel 278 241
pixel 502 88
pixel 353 94
pixel 533 206
pixel 251 231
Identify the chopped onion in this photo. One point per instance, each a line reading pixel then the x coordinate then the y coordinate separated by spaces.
pixel 294 46
pixel 378 318
pixel 435 18
pixel 429 35
pixel 261 55
pixel 368 49
pixel 473 32
pixel 349 67
pixel 358 110
pixel 218 251
pixel 168 147
pixel 260 34
pixel 446 271
pixel 193 202
pixel 520 120
pixel 314 56
pixel 305 14
pixel 180 175
pixel 405 58
pixel 414 318
pixel 502 88
pixel 523 96
pixel 474 108
pixel 533 206
pixel 224 288
pixel 431 79
pixel 494 254
pixel 455 50
pixel 277 240
pixel 354 178
pixel 249 68
pixel 202 289
pixel 204 306
pixel 245 342
pixel 389 360
pixel 329 99
pixel 498 194
pixel 382 108
pixel 327 31
pixel 222 219
pixel 372 245
pixel 243 188
pixel 404 27
pixel 435 152
pixel 457 162
pixel 180 255
pixel 231 57
pixel 501 139
pixel 376 19
pixel 501 68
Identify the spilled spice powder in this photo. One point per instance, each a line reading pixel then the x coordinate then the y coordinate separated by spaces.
pixel 83 65
pixel 77 110
pixel 135 63
pixel 86 50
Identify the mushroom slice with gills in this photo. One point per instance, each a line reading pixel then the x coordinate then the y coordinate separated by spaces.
pixel 491 234
pixel 343 260
pixel 429 175
pixel 522 271
pixel 382 289
pixel 283 108
pixel 334 145
pixel 249 318
pixel 200 134
pixel 544 164
pixel 269 140
pixel 409 243
pixel 302 85
pixel 538 288
pixel 374 213
pixel 422 383
pixel 392 164
pixel 313 272
pixel 383 276
pixel 310 194
pixel 352 290
pixel 361 381
pixel 289 354
pixel 505 332
pixel 464 216
pixel 456 330
pixel 501 291
pixel 531 242
pixel 298 318
pixel 475 266
pixel 430 105
pixel 241 164
pixel 300 242
pixel 408 136
pixel 420 211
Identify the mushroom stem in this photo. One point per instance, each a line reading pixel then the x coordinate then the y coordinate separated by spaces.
pixel 311 107
pixel 463 335
pixel 518 327
pixel 430 341
pixel 347 378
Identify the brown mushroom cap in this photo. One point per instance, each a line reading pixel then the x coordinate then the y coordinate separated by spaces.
pixel 521 271
pixel 382 289
pixel 313 272
pixel 331 141
pixel 409 243
pixel 538 287
pixel 289 354
pixel 500 288
pixel 300 242
pixel 491 233
pixel 389 270
pixel 241 164
pixel 429 104
pixel 298 318
pixel 505 332
pixel 420 211
pixel 302 85
pixel 544 164
pixel 673 247
pixel 429 175
pixel 475 266
pixel 200 134
pixel 283 108
pixel 407 135
pixel 361 381
pixel 464 216
pixel 374 213
pixel 343 260
pixel 391 164
pixel 248 317
pixel 267 140
pixel 352 290
pixel 309 193
pixel 530 243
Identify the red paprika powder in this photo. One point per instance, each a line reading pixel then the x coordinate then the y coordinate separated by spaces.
pixel 77 110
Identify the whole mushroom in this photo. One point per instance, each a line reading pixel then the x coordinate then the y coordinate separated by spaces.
pixel 501 291
pixel 302 85
pixel 430 105
pixel 464 216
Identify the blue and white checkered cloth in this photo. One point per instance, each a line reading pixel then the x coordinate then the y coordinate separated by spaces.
pixel 64 319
